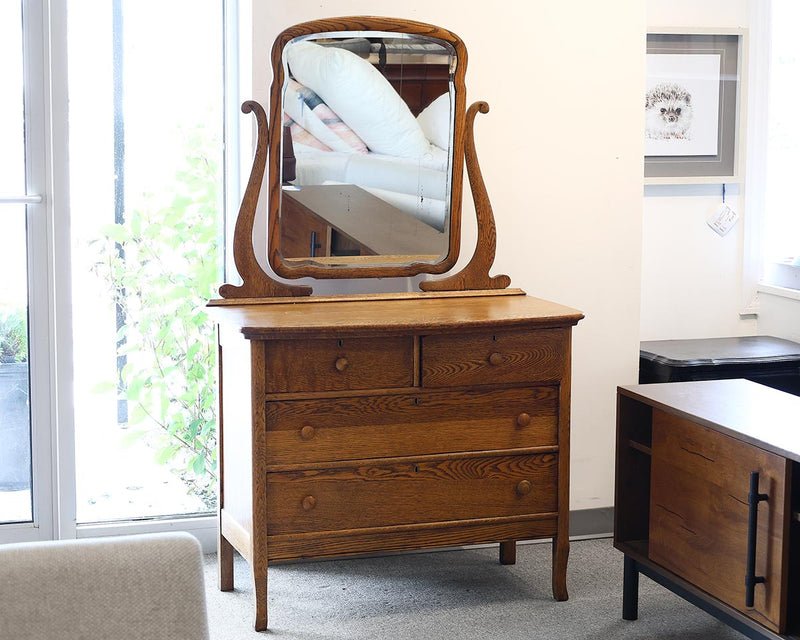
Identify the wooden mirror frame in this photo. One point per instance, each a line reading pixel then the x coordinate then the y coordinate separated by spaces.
pixel 372 270
pixel 258 285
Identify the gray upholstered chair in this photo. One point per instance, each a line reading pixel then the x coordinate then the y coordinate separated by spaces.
pixel 145 587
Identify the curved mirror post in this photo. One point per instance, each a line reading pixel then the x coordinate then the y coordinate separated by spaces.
pixel 367 155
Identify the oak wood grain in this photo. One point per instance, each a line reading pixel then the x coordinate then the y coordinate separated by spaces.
pixel 420 315
pixel 494 357
pixel 360 23
pixel 394 295
pixel 324 364
pixel 561 539
pixel 475 275
pixel 389 493
pixel 410 424
pixel 255 282
pixel 387 422
pixel 259 514
pixel 428 535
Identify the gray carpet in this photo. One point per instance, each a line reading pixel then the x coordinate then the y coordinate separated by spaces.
pixel 460 594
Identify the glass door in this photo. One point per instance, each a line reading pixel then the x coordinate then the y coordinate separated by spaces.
pixel 16 501
pixel 27 339
pixel 145 136
pixel 111 218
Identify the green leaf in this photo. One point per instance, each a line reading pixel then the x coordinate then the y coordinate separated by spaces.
pixel 135 388
pixel 137 415
pixel 192 352
pixel 136 223
pixel 165 454
pixel 131 437
pixel 104 387
pixel 199 465
pixel 194 427
pixel 116 232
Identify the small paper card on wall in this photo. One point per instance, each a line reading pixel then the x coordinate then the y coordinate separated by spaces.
pixel 723 219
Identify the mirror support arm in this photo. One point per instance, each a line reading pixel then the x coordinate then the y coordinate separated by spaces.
pixel 475 275
pixel 255 282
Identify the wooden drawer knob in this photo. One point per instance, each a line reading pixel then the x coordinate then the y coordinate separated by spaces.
pixel 341 364
pixel 496 359
pixel 524 487
pixel 523 420
pixel 309 502
pixel 307 432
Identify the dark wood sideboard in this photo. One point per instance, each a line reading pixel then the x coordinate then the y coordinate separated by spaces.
pixel 707 499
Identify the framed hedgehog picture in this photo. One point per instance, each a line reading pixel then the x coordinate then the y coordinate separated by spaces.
pixel 693 104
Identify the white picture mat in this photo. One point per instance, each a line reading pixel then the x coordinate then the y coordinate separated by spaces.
pixel 699 74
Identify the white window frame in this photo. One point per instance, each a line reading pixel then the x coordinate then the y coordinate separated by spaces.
pixel 758 132
pixel 49 281
pixel 42 142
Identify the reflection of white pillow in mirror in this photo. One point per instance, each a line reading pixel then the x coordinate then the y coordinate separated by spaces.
pixel 360 96
pixel 330 131
pixel 435 121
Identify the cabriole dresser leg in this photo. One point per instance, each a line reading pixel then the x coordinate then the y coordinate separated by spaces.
pixel 560 557
pixel 260 590
pixel 224 564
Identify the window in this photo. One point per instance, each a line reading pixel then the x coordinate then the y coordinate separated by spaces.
pixel 145 131
pixel 781 240
pixel 15 430
pixel 130 163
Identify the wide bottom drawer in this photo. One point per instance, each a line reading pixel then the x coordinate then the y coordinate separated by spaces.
pixel 407 491
pixel 410 537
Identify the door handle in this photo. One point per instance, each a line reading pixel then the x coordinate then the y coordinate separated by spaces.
pixel 750 577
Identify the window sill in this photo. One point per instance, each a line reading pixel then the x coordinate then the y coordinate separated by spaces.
pixel 781 279
pixel 783 292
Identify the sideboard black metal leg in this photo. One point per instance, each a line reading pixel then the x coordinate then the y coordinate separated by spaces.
pixel 630 590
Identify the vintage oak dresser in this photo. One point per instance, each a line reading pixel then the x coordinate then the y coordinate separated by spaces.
pixel 384 422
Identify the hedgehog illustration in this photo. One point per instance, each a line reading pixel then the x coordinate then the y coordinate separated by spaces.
pixel 668 110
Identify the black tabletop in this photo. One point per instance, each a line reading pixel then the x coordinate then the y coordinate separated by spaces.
pixel 746 349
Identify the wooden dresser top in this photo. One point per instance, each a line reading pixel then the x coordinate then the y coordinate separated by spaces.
pixel 307 317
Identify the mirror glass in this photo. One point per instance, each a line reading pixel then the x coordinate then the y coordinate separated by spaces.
pixel 367 150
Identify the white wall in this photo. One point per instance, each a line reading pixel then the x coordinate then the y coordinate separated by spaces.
pixel 779 315
pixel 692 279
pixel 694 283
pixel 563 166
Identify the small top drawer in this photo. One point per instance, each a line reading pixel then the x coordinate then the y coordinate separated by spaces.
pixel 500 357
pixel 331 364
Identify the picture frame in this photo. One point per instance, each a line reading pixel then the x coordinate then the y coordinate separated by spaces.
pixel 694 106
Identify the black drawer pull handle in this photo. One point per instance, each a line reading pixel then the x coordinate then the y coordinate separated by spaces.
pixel 750 578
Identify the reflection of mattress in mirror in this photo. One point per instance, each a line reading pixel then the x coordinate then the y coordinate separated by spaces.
pixel 315 167
pixel 430 211
pixel 369 220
